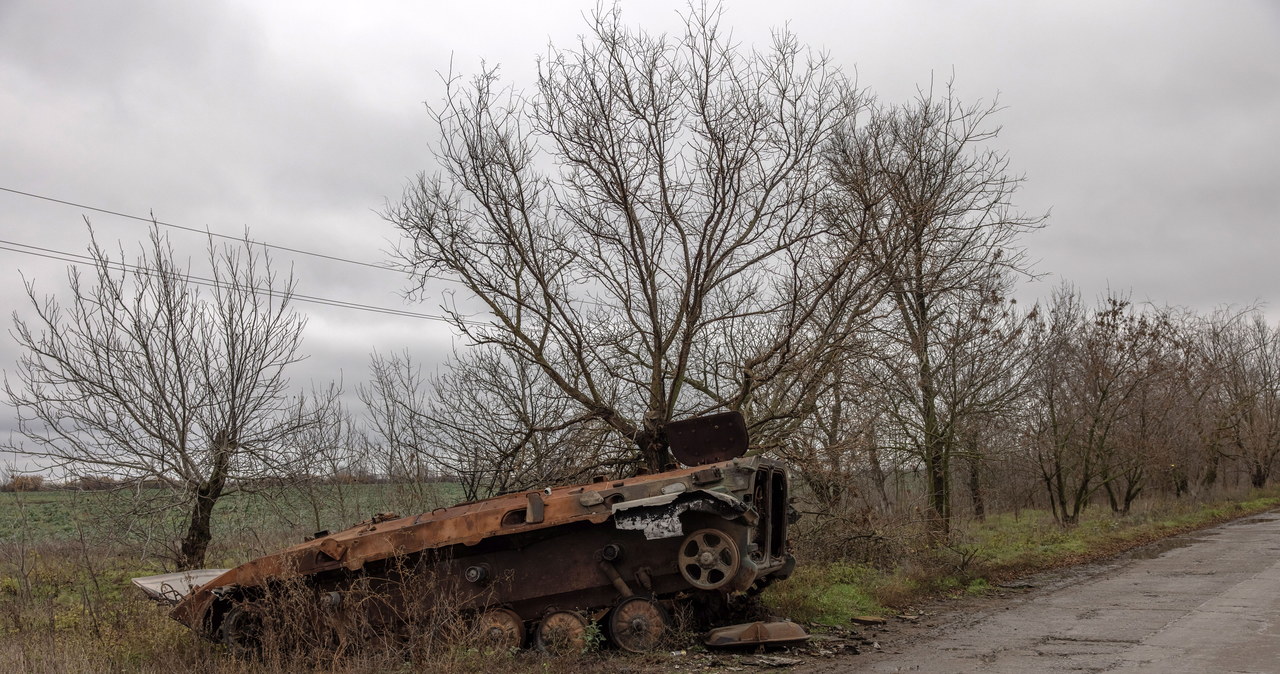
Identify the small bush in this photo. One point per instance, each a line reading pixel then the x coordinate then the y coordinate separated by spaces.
pixel 24 483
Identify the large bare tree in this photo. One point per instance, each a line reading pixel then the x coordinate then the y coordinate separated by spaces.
pixel 644 230
pixel 936 198
pixel 170 384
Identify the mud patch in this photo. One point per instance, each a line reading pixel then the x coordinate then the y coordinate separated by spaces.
pixel 1159 547
pixel 1257 519
pixel 1067 646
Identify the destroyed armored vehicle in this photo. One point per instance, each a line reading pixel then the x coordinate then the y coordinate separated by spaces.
pixel 537 567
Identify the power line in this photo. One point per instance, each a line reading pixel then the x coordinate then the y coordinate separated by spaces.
pixel 335 258
pixel 264 244
pixel 76 259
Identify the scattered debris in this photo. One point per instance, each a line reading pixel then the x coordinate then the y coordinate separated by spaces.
pixel 773 661
pixel 868 620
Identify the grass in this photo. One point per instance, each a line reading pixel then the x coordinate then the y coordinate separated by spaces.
pixel 60 515
pixel 982 554
pixel 67 616
pixel 828 594
pixel 1011 546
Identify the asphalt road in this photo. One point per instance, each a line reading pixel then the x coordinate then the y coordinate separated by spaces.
pixel 1204 603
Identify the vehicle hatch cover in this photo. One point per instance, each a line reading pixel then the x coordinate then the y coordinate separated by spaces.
pixel 773 632
pixel 709 439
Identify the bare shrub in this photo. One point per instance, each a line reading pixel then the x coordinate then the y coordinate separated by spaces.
pixel 861 535
pixel 23 483
pixel 406 612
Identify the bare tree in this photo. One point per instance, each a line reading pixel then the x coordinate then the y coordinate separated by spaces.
pixel 1212 354
pixel 172 385
pixel 491 424
pixel 1125 372
pixel 1246 356
pixel 644 231
pixel 936 199
pixel 984 372
pixel 835 447
pixel 319 490
pixel 1094 427
pixel 1054 421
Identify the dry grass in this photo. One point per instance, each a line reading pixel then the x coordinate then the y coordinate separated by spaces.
pixel 64 609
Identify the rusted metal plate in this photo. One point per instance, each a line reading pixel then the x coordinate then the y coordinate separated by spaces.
pixel 778 632
pixel 710 439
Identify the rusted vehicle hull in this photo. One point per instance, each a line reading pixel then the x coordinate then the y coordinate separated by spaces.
pixel 532 563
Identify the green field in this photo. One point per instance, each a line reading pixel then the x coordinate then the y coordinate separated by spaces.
pixel 71 515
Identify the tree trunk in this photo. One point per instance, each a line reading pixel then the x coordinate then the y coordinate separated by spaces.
pixel 976 496
pixel 199 530
pixel 939 492
pixel 1211 474
pixel 1112 499
pixel 1131 492
pixel 655 453
pixel 936 454
pixel 1258 476
pixel 877 474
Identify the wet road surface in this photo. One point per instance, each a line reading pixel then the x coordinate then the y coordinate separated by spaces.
pixel 1204 602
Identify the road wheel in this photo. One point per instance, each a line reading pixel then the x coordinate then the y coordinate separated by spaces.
pixel 637 624
pixel 561 633
pixel 241 630
pixel 502 629
pixel 708 559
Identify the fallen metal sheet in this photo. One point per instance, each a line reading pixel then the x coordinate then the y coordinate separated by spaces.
pixel 170 588
pixel 777 632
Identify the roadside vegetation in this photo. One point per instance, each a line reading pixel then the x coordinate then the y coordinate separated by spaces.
pixel 67 604
pixel 984 554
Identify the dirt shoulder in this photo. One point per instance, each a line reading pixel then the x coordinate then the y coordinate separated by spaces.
pixel 917 629
pixel 1114 613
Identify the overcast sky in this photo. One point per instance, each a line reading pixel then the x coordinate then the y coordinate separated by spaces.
pixel 1150 130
